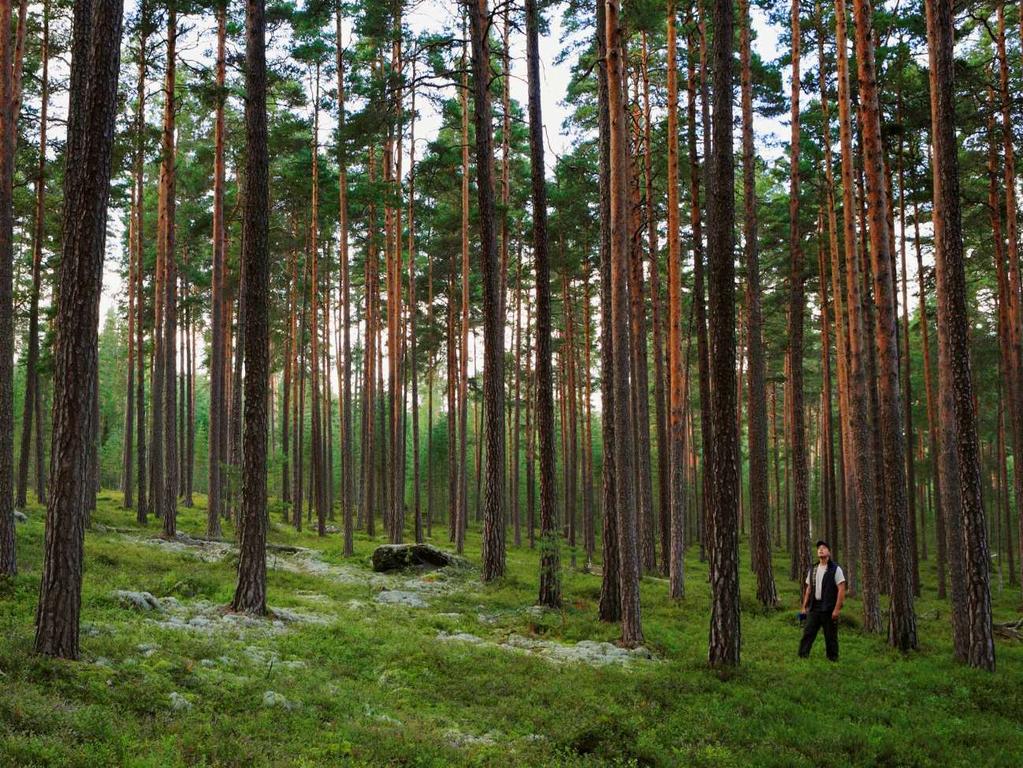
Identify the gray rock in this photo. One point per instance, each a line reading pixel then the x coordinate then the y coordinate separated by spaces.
pixel 178 702
pixel 148 649
pixel 398 597
pixel 20 517
pixel 461 637
pixel 274 700
pixel 398 557
pixel 140 601
pixel 460 739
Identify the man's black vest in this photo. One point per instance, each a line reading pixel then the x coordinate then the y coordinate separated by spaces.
pixel 829 589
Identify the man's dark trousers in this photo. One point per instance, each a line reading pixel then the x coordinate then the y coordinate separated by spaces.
pixel 816 620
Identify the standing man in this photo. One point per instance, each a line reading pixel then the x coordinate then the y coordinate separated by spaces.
pixel 823 595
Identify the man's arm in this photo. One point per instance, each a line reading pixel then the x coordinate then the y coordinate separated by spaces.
pixel 841 599
pixel 806 596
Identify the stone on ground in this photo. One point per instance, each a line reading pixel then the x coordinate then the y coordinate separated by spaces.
pixel 140 601
pixel 398 597
pixel 397 557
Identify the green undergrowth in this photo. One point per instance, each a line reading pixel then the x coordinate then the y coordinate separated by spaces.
pixel 353 682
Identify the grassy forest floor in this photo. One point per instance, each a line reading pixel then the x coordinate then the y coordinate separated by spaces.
pixel 467 675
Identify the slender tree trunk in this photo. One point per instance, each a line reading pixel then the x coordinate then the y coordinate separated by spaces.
pixel 462 515
pixel 954 345
pixel 1004 319
pixel 901 617
pixel 516 433
pixel 142 502
pixel 8 137
pixel 217 363
pixel 610 606
pixel 906 366
pixel 550 554
pixel 568 422
pixel 250 594
pixel 699 293
pixel 588 521
pixel 625 495
pixel 95 60
pixel 371 269
pixel 847 494
pixel 1015 304
pixel 932 418
pixel 660 408
pixel 760 532
pixel 724 539
pixel 316 451
pixel 164 432
pixel 797 438
pixel 190 409
pixel 32 394
pixel 493 325
pixel 345 374
pixel 413 311
pixel 676 454
pixel 861 442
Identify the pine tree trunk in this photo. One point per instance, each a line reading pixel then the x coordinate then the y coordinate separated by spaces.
pixel 588 521
pixel 661 423
pixel 861 457
pixel 516 432
pixel 297 493
pixel 413 310
pixel 676 448
pixel 142 502
pixel 95 60
pixel 696 175
pixel 250 594
pixel 610 606
pixel 723 533
pixel 462 509
pixel 8 137
pixel 625 495
pixel 550 555
pixel 167 484
pixel 760 538
pixel 640 390
pixel 371 268
pixel 493 307
pixel 933 448
pixel 1004 320
pixel 316 451
pixel 345 375
pixel 32 385
pixel 1015 304
pixel 906 366
pixel 901 617
pixel 954 346
pixel 217 363
pixel 797 437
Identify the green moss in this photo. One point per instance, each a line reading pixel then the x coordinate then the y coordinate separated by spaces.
pixel 374 686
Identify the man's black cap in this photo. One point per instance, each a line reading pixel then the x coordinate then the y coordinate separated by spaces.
pixel 821 541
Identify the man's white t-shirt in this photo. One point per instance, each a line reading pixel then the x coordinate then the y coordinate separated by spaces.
pixel 819 571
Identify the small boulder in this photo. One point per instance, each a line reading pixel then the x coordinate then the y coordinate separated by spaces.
pixel 398 557
pixel 140 601
pixel 274 700
pixel 20 517
pixel 398 597
pixel 178 702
